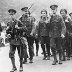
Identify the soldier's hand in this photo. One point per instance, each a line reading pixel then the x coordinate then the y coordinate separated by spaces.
pixel 62 35
pixel 46 21
pixel 23 33
pixel 36 36
pixel 16 26
pixel 31 34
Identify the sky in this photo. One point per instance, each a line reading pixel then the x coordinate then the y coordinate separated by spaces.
pixel 38 5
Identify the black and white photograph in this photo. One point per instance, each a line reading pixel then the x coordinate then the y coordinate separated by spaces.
pixel 35 35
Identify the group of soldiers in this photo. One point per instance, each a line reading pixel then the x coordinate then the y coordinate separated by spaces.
pixel 52 32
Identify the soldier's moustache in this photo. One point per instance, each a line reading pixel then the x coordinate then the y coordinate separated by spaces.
pixel 26 15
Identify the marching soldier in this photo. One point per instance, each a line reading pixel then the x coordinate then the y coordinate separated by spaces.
pixel 14 32
pixel 43 33
pixel 57 32
pixel 28 22
pixel 70 15
pixel 68 23
pixel 71 36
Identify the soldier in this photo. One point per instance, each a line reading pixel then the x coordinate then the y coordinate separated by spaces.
pixel 24 39
pixel 43 33
pixel 57 31
pixel 71 36
pixel 70 15
pixel 28 21
pixel 13 32
pixel 68 23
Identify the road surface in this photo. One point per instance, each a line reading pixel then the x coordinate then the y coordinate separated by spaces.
pixel 39 65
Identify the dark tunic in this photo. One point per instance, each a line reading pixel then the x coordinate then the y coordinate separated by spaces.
pixel 27 22
pixel 57 26
pixel 15 33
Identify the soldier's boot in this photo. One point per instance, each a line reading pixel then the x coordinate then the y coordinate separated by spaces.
pixel 37 49
pixel 31 53
pixel 43 48
pixel 36 53
pixel 48 51
pixel 44 58
pixel 42 53
pixel 13 64
pixel 13 69
pixel 55 60
pixel 68 58
pixel 21 64
pixel 33 50
pixel 21 69
pixel 48 57
pixel 63 59
pixel 31 61
pixel 63 55
pixel 60 57
pixel 25 61
pixel 25 57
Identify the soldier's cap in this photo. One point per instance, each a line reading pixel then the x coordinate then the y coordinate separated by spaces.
pixel 24 9
pixel 63 10
pixel 12 10
pixel 43 11
pixel 53 7
pixel 70 14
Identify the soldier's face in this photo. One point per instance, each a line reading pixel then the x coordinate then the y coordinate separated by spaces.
pixel 12 13
pixel 12 16
pixel 44 14
pixel 54 11
pixel 26 13
pixel 71 16
pixel 63 13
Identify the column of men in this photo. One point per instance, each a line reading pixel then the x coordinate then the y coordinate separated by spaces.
pixel 53 32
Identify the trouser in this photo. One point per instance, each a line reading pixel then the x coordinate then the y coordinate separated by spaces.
pixel 67 45
pixel 12 52
pixel 56 46
pixel 45 40
pixel 30 41
pixel 24 46
pixel 37 44
pixel 63 48
pixel 71 45
pixel 25 55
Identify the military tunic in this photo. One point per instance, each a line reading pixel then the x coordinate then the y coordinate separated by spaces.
pixel 67 40
pixel 57 27
pixel 28 22
pixel 14 38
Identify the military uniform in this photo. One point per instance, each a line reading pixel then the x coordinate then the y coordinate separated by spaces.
pixel 57 28
pixel 67 42
pixel 71 36
pixel 14 35
pixel 28 23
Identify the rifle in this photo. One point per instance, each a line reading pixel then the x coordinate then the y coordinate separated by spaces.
pixel 31 6
pixel 12 30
